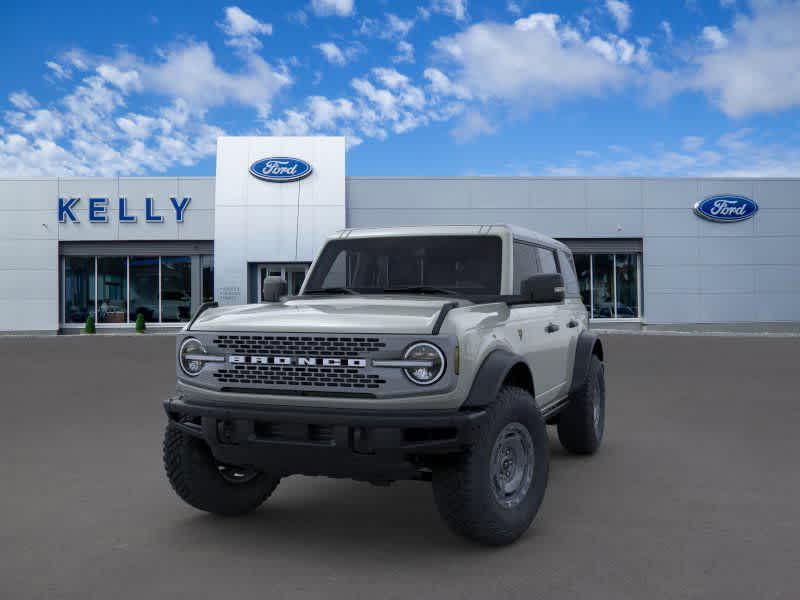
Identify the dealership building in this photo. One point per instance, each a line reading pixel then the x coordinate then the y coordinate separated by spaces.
pixel 650 252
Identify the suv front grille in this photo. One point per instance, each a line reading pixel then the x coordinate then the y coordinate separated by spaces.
pixel 291 345
pixel 295 378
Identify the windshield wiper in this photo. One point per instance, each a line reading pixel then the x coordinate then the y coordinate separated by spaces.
pixel 421 289
pixel 331 290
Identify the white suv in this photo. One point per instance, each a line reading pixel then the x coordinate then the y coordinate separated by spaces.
pixel 429 353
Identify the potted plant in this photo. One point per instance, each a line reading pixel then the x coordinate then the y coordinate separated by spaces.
pixel 89 327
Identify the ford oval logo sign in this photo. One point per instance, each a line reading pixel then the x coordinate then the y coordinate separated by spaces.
pixel 280 169
pixel 726 209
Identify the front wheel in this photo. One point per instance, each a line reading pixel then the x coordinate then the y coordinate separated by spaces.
pixel 208 485
pixel 492 492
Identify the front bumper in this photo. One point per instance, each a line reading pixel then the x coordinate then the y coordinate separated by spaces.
pixel 358 444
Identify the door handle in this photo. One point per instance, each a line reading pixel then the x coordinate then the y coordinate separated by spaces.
pixel 551 328
pixel 572 323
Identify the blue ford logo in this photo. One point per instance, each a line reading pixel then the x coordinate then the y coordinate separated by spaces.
pixel 280 169
pixel 726 209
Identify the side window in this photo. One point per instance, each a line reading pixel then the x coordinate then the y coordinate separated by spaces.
pixel 547 259
pixel 568 271
pixel 525 263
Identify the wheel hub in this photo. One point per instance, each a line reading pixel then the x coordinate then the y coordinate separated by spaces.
pixel 512 463
pixel 233 474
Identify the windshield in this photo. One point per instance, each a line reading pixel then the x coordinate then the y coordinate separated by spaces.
pixel 468 265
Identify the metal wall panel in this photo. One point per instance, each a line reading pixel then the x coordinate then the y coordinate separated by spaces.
pixel 689 264
pixel 262 221
pixel 28 255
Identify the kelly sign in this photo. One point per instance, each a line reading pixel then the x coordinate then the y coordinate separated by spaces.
pixel 98 210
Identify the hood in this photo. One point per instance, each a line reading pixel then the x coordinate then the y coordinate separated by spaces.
pixel 339 314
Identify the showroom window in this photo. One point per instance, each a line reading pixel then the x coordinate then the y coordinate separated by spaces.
pixel 116 289
pixel 79 289
pixel 610 284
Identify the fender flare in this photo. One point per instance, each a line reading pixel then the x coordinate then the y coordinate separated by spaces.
pixel 490 376
pixel 589 344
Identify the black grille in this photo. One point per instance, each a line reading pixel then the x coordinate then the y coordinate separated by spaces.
pixel 296 376
pixel 291 345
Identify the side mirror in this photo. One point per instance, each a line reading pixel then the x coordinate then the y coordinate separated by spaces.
pixel 273 288
pixel 543 287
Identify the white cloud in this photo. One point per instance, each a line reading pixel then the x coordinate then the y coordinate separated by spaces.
pixel 405 53
pixel 758 70
pixel 59 71
pixel 385 101
pixel 727 3
pixel 514 8
pixel 191 72
pixel 243 29
pixel 339 8
pixel 398 27
pixel 735 154
pixel 441 84
pixel 453 8
pixel 666 27
pixel 472 124
pixel 715 37
pixel 22 100
pixel 91 130
pixel 537 60
pixel 621 11
pixel 127 80
pixel 336 55
pixel 391 27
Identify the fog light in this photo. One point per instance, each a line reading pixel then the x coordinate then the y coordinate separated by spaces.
pixel 430 363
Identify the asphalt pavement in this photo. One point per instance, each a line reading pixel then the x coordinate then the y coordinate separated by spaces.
pixel 694 494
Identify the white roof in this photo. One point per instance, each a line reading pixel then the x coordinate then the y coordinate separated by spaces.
pixel 420 230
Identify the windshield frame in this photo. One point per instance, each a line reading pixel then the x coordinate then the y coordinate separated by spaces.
pixel 454 292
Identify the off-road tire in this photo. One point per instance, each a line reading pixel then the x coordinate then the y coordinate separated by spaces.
pixel 577 429
pixel 462 485
pixel 196 478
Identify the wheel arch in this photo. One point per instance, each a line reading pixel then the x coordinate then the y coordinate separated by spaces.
pixel 499 368
pixel 589 344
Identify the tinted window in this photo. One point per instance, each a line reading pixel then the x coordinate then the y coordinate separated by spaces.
pixel 525 263
pixel 568 271
pixel 466 264
pixel 547 260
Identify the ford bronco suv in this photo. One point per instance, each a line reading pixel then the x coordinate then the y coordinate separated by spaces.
pixel 430 353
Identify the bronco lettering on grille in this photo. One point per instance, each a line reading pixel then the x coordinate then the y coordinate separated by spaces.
pixel 300 361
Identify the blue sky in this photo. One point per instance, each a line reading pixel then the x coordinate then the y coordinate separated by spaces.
pixel 439 87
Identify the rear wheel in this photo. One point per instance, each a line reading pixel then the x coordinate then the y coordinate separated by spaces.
pixel 582 423
pixel 208 485
pixel 492 492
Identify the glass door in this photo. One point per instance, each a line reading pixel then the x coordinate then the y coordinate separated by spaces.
pixel 294 274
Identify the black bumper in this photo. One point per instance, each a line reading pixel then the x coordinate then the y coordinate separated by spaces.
pixel 370 445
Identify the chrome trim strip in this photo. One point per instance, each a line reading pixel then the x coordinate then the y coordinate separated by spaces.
pixel 403 364
pixel 205 357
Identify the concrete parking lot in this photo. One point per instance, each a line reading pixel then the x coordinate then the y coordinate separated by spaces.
pixel 695 494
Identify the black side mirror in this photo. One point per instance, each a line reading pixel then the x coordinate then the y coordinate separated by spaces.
pixel 543 287
pixel 273 288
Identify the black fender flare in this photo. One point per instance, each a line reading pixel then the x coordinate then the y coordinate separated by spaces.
pixel 490 377
pixel 588 345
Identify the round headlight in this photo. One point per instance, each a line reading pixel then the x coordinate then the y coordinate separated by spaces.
pixel 431 363
pixel 190 356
